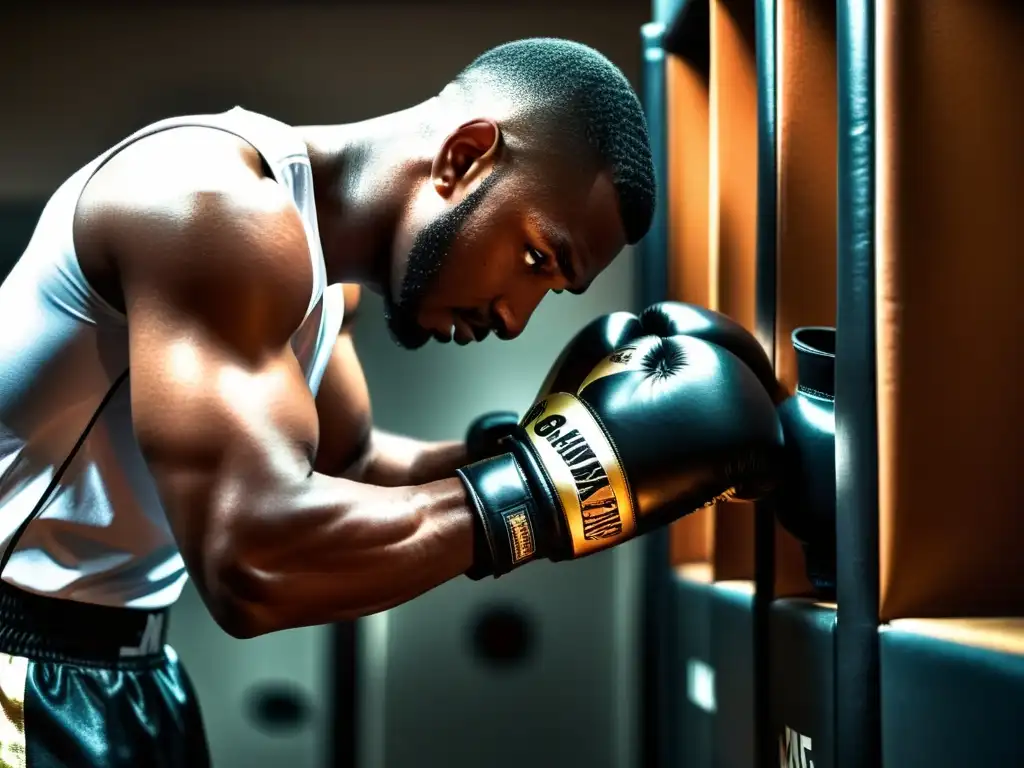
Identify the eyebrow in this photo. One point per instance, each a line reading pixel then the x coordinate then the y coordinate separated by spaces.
pixel 563 257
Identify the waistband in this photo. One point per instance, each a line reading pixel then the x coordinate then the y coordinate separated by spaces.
pixel 65 631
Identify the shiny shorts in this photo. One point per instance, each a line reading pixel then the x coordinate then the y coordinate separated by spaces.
pixel 84 686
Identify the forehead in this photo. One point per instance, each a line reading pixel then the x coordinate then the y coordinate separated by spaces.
pixel 584 211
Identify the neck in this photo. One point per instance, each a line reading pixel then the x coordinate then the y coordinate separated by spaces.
pixel 363 176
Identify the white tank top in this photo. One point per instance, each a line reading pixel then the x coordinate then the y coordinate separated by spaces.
pixel 101 535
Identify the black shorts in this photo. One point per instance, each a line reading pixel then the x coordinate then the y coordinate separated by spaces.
pixel 84 685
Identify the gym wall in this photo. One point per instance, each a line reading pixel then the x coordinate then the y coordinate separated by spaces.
pixel 76 81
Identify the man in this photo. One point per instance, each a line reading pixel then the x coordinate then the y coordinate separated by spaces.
pixel 181 396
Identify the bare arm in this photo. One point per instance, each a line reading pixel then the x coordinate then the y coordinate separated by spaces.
pixel 229 428
pixel 393 460
pixel 350 446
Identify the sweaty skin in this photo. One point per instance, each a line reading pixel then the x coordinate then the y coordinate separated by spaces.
pixel 288 511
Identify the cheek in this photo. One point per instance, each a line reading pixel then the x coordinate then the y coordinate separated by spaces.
pixel 480 269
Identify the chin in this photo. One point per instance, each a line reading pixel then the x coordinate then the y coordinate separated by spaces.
pixel 407 341
pixel 405 331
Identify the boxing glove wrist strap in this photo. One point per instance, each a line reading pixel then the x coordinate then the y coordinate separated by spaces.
pixel 559 492
pixel 507 534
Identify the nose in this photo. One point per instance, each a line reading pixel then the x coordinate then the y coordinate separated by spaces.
pixel 512 320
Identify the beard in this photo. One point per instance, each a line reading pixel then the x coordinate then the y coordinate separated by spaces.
pixel 428 255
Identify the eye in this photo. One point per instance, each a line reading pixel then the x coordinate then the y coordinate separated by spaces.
pixel 535 260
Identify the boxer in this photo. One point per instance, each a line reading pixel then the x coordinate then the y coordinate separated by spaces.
pixel 180 396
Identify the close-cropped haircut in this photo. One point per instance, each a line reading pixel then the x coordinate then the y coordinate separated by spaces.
pixel 578 103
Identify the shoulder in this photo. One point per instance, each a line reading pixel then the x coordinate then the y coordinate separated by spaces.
pixel 189 214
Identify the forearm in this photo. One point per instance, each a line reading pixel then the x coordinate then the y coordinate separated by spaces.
pixel 394 460
pixel 339 550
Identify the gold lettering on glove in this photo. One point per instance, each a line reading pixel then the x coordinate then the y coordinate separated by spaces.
pixel 588 479
pixel 520 535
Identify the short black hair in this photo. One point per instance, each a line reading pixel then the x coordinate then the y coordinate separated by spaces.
pixel 570 94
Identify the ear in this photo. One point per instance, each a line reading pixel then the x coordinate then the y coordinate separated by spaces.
pixel 470 148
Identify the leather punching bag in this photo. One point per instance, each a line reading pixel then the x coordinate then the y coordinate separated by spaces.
pixel 807 503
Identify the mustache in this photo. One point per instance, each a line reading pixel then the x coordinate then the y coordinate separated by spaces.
pixel 483 322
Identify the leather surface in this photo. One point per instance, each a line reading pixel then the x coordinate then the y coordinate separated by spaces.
pixel 673 318
pixel 733 224
pixel 660 428
pixel 803 681
pixel 693 688
pixel 732 658
pixel 796 198
pixel 687 200
pixel 507 531
pixel 949 704
pixel 951 173
pixel 96 717
pixel 999 634
pixel 733 114
pixel 688 182
pixel 596 339
pixel 687 84
pixel 806 217
pixel 486 431
pixel 806 500
pixel 713 234
pixel 689 421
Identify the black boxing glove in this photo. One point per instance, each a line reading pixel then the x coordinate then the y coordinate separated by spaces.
pixel 674 318
pixel 595 341
pixel 667 318
pixel 487 431
pixel 659 428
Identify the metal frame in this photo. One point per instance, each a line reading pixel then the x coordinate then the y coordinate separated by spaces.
pixel 858 698
pixel 652 279
pixel 765 314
